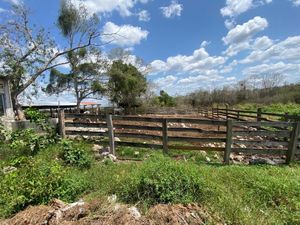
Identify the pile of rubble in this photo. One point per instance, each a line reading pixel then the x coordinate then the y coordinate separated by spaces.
pixel 110 213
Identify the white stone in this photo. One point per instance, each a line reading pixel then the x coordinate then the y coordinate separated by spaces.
pixel 117 139
pixel 207 159
pixel 112 198
pixel 135 212
pixel 112 157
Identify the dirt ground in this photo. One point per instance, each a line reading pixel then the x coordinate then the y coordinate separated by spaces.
pixel 97 214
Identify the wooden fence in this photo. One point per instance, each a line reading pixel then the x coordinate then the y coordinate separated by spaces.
pixel 228 136
pixel 246 115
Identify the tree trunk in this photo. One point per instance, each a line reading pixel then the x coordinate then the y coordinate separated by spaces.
pixel 78 101
pixel 17 108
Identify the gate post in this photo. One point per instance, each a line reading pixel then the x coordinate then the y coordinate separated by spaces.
pixel 293 143
pixel 111 134
pixel 165 136
pixel 228 142
pixel 258 114
pixel 61 123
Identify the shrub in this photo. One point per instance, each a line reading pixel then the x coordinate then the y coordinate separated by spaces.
pixel 35 116
pixel 29 142
pixel 161 180
pixel 75 154
pixel 4 134
pixel 37 182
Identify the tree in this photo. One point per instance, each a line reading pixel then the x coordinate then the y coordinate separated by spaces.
pixel 27 52
pixel 165 99
pixel 127 57
pixel 126 84
pixel 85 78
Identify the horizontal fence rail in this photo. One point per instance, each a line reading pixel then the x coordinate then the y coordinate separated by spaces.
pixel 229 136
pixel 245 115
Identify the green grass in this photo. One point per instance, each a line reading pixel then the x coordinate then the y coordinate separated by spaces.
pixel 291 108
pixel 237 194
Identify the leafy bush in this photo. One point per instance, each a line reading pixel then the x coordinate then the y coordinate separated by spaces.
pixel 35 115
pixel 29 142
pixel 161 180
pixel 4 134
pixel 37 182
pixel 75 154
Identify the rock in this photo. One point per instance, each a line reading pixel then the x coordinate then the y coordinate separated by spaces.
pixel 72 205
pixel 238 158
pixel 112 198
pixel 112 157
pixel 117 139
pixel 216 156
pixel 104 154
pixel 135 212
pixel 9 169
pixel 136 153
pixel 204 153
pixel 98 156
pixel 258 161
pixel 106 149
pixel 97 148
pixel 207 159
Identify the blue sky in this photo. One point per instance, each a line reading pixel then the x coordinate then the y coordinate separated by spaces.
pixel 196 44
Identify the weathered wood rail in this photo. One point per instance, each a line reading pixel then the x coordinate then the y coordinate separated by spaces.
pixel 228 136
pixel 246 115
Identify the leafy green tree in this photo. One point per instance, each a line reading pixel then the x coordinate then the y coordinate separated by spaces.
pixel 165 99
pixel 126 85
pixel 85 78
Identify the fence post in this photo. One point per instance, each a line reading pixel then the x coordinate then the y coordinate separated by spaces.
pixel 227 111
pixel 61 123
pixel 293 143
pixel 286 116
pixel 258 114
pixel 228 142
pixel 111 134
pixel 238 115
pixel 218 116
pixel 165 135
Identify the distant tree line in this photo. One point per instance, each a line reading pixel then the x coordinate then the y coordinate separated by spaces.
pixel 256 89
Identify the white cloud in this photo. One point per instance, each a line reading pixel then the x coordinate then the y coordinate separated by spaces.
pixel 230 23
pixel 2 10
pixel 262 43
pixel 245 31
pixel 144 15
pixel 240 38
pixel 204 44
pixel 207 76
pixel 234 8
pixel 287 50
pixel 234 49
pixel 124 35
pixel 189 72
pixel 165 81
pixel 273 68
pixel 107 6
pixel 296 2
pixel 174 9
pixel 200 60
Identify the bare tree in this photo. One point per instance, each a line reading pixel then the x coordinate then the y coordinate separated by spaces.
pixel 28 51
pixel 270 81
